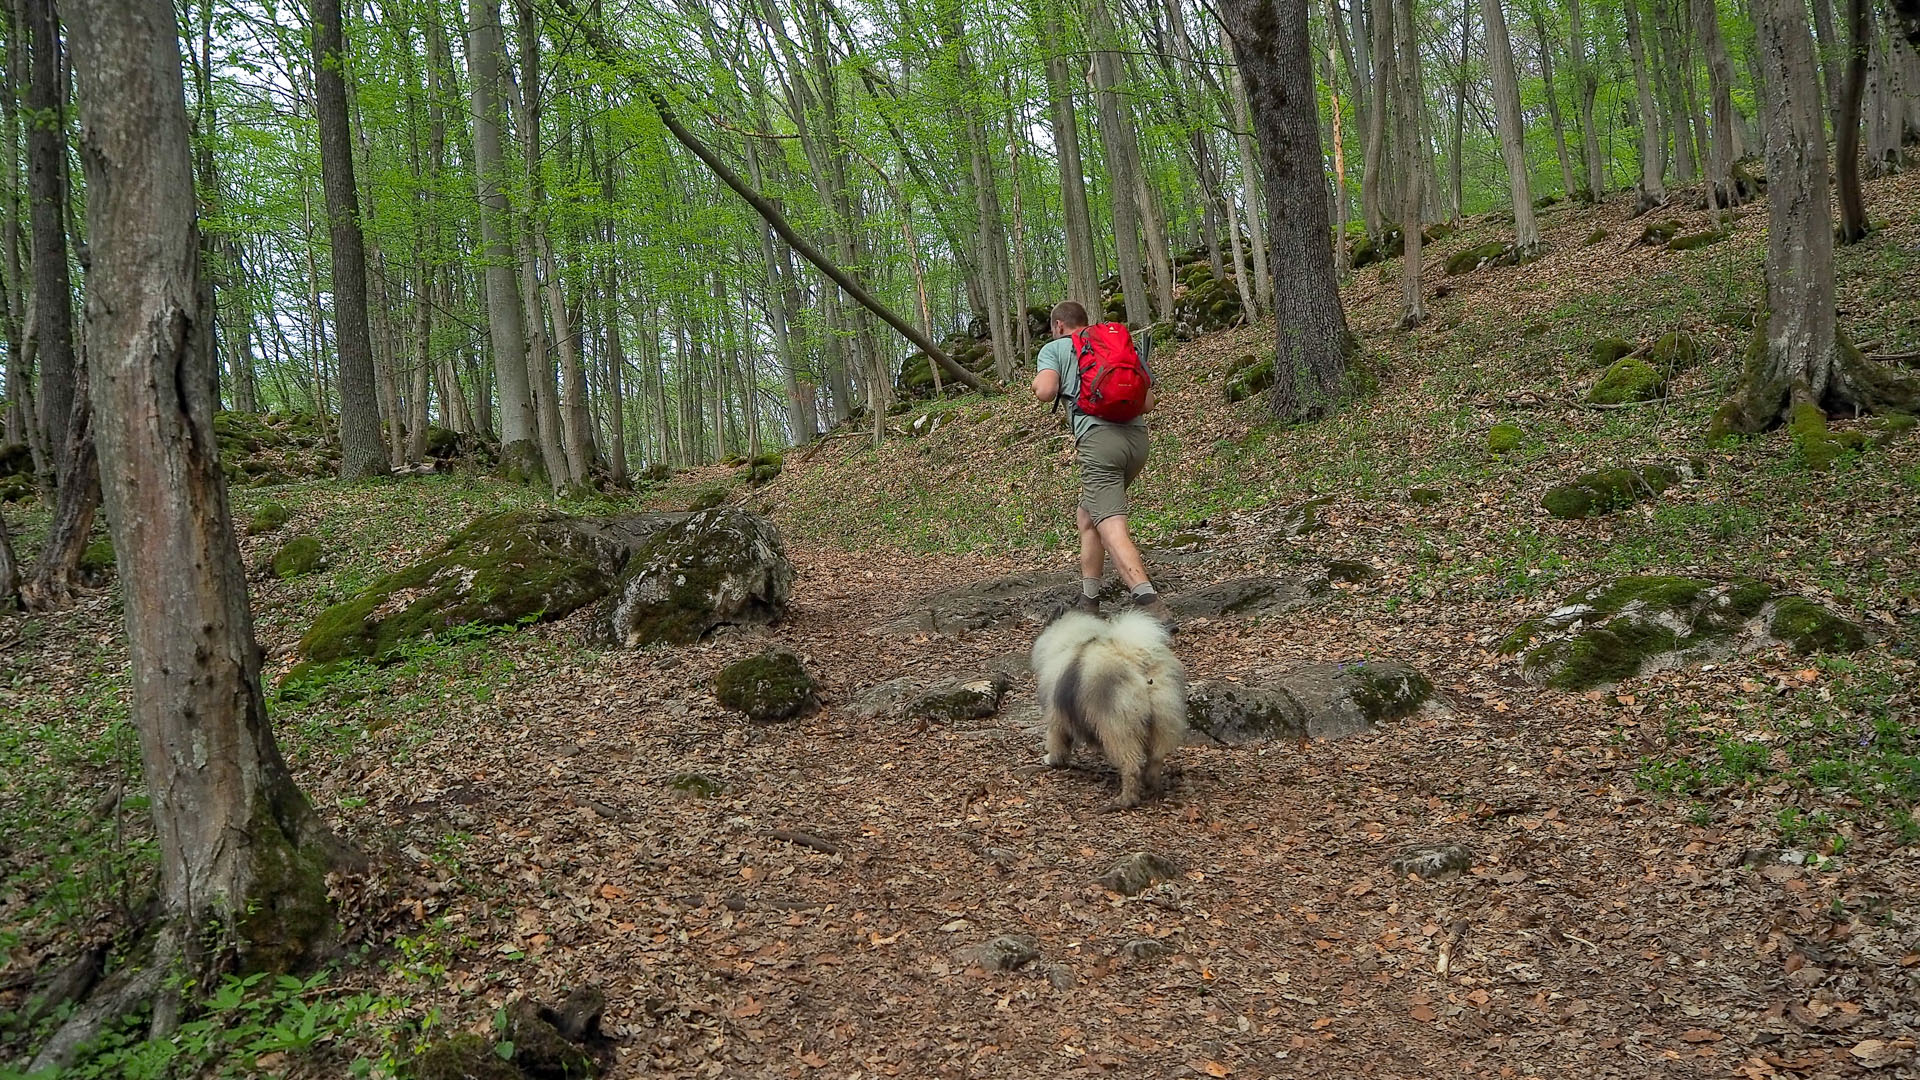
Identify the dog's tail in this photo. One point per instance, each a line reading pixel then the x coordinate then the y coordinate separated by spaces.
pixel 1138 630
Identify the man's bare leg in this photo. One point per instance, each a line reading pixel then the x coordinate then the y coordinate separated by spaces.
pixel 1133 570
pixel 1093 564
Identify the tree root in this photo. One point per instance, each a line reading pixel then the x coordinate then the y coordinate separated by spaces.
pixel 123 993
pixel 1858 385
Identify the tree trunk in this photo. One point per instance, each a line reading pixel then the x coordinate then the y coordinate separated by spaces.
pixel 361 454
pixel 1406 64
pixel 1829 51
pixel 1885 110
pixel 1083 281
pixel 1673 74
pixel 1846 133
pixel 1126 210
pixel 1651 191
pixel 506 318
pixel 1512 125
pixel 46 211
pixel 56 573
pixel 1373 164
pixel 1274 54
pixel 1255 195
pixel 1799 362
pixel 1567 182
pixel 1586 84
pixel 9 570
pixel 243 856
pixel 1722 190
pixel 1455 165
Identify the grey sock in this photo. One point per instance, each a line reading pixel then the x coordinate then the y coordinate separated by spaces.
pixel 1144 592
pixel 1090 587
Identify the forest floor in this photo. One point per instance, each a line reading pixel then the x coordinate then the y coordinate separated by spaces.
pixel 519 789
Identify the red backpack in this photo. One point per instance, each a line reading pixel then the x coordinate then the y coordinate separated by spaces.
pixel 1113 381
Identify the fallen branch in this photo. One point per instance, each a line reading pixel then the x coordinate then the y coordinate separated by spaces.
pixel 806 840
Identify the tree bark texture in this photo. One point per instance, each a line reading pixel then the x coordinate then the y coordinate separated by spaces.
pixel 1512 125
pixel 1274 53
pixel 1121 181
pixel 1722 190
pixel 361 453
pixel 1406 64
pixel 1846 132
pixel 1651 191
pixel 45 117
pixel 1083 280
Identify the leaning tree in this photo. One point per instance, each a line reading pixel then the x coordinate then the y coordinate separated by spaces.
pixel 1799 359
pixel 243 855
pixel 1275 57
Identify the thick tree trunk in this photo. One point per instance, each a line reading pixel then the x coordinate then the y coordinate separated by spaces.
pixel 1722 189
pixel 1126 209
pixel 506 318
pixel 1083 280
pixel 1406 63
pixel 1798 360
pixel 243 856
pixel 1846 133
pixel 1512 125
pixel 1455 166
pixel 9 570
pixel 361 453
pixel 46 213
pixel 1274 53
pixel 56 573
pixel 1651 191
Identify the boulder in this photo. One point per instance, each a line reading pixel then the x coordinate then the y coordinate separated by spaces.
pixel 500 570
pixel 1621 628
pixel 1659 232
pixel 1248 377
pixel 539 1047
pixel 1602 492
pixel 1434 862
pixel 1504 438
pixel 1491 253
pixel 1629 379
pixel 1008 952
pixel 1607 350
pixel 267 518
pixel 1203 303
pixel 760 469
pixel 769 687
pixel 298 557
pixel 715 568
pixel 973 699
pixel 881 699
pixel 707 497
pixel 1676 351
pixel 1257 594
pixel 1320 701
pixel 1136 873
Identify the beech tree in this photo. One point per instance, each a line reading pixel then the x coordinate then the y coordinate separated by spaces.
pixel 243 856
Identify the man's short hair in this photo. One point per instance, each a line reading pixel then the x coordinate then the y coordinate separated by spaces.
pixel 1070 313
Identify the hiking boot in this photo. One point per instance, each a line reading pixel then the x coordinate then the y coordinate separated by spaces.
pixel 1087 605
pixel 1157 607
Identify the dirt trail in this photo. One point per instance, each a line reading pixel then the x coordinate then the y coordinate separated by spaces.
pixel 1596 935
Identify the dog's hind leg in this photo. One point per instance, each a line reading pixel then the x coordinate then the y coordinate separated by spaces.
pixel 1059 743
pixel 1125 748
pixel 1165 732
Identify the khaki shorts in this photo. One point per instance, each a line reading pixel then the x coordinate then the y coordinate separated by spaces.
pixel 1111 456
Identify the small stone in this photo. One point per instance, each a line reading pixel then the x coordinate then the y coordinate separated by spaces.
pixel 881 699
pixel 695 785
pixel 974 699
pixel 1009 952
pixel 1630 379
pixel 267 518
pixel 1431 863
pixel 768 688
pixel 1061 977
pixel 1135 873
pixel 1145 949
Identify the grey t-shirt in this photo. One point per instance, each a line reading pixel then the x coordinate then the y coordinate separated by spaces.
pixel 1057 355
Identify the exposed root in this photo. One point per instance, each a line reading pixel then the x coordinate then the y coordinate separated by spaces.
pixel 124 993
pixel 1858 385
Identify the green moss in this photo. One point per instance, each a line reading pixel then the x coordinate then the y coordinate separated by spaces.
pixel 1814 444
pixel 1629 379
pixel 708 497
pixel 1748 596
pixel 267 518
pixel 1504 438
pixel 463 1056
pixel 1250 381
pixel 698 785
pixel 442 442
pixel 1491 253
pixel 769 687
pixel 1690 241
pixel 298 556
pixel 1606 490
pixel 658 472
pixel 1424 496
pixel 975 700
pixel 1659 232
pixel 718 566
pixel 1606 351
pixel 1608 653
pixel 1677 351
pixel 1807 627
pixel 1386 691
pixel 1520 637
pixel 1597 236
pixel 96 561
pixel 288 917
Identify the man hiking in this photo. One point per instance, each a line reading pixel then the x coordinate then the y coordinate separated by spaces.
pixel 1110 437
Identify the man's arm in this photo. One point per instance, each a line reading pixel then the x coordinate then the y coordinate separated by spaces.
pixel 1046 385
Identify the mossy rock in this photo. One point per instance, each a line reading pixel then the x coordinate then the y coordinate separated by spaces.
pixel 1807 627
pixel 695 785
pixel 973 699
pixel 1436 232
pixel 267 518
pixel 1677 351
pixel 717 567
pixel 1629 379
pixel 1734 317
pixel 1891 426
pixel 16 459
pixel 1815 445
pixel 97 560
pixel 464 1056
pixel 1424 496
pixel 17 488
pixel 707 498
pixel 539 1048
pixel 1504 438
pixel 298 557
pixel 1302 518
pixel 1597 236
pixel 657 473
pixel 442 443
pixel 1250 381
pixel 760 469
pixel 1320 701
pixel 501 569
pixel 1491 253
pixel 1385 690
pixel 1691 241
pixel 768 687
pixel 1607 490
pixel 1659 232
pixel 1607 351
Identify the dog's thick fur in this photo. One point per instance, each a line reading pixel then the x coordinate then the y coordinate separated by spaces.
pixel 1115 685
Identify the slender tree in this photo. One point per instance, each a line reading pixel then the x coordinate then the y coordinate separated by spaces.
pixel 1513 128
pixel 1846 132
pixel 1651 190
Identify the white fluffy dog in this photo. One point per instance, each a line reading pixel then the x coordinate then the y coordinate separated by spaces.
pixel 1115 685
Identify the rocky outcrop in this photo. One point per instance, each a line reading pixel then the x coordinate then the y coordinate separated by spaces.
pixel 1322 701
pixel 1607 490
pixel 714 568
pixel 1632 625
pixel 500 570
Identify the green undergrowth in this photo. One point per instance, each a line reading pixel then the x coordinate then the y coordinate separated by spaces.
pixel 1839 757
